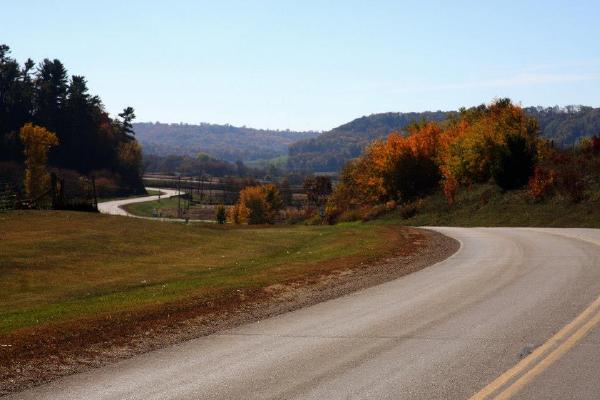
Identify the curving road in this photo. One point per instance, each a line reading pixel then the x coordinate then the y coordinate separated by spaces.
pixel 114 207
pixel 513 314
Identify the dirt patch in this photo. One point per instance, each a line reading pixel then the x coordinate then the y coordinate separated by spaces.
pixel 32 360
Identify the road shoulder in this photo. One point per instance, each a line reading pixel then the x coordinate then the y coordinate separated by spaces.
pixel 429 248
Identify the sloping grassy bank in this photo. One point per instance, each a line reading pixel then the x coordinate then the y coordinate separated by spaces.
pixel 487 205
pixel 57 267
pixel 81 289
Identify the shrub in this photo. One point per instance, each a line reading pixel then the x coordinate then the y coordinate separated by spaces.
pixel 294 216
pixel 572 184
pixel 450 188
pixel 515 162
pixel 370 213
pixel 221 214
pixel 541 183
pixel 409 210
pixel 238 214
pixel 257 205
pixel 349 215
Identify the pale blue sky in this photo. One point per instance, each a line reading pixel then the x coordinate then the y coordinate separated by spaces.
pixel 313 64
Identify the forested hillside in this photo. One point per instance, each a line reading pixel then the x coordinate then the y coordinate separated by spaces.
pixel 89 141
pixel 225 142
pixel 331 150
pixel 566 125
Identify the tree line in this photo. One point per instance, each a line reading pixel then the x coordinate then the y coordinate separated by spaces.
pixel 330 151
pixel 498 142
pixel 88 140
pixel 225 142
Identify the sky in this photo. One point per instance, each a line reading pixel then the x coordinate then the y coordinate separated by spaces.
pixel 313 65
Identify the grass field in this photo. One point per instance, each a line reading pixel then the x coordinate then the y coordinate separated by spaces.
pixel 145 209
pixel 76 269
pixel 168 209
pixel 486 205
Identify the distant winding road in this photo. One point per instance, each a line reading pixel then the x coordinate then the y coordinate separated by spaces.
pixel 515 313
pixel 114 207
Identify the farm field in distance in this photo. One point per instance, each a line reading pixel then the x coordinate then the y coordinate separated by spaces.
pixel 167 208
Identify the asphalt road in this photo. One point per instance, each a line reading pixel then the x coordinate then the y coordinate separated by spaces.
pixel 513 314
pixel 113 207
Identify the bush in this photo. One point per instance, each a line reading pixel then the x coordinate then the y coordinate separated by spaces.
pixel 541 183
pixel 257 205
pixel 238 214
pixel 106 187
pixel 409 210
pixel 353 214
pixel 515 162
pixel 294 216
pixel 572 184
pixel 221 214
pixel 370 213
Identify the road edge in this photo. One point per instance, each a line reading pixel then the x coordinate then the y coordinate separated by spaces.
pixel 434 247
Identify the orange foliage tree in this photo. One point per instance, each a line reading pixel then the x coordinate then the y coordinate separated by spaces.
pixel 498 142
pixel 257 205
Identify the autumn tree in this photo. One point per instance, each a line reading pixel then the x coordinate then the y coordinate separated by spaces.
pixel 496 142
pixel 37 141
pixel 274 201
pixel 256 205
pixel 410 166
pixel 485 141
pixel 89 140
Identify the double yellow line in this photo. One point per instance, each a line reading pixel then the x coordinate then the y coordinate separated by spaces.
pixel 512 381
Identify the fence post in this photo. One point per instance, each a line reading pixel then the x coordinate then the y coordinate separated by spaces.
pixel 94 191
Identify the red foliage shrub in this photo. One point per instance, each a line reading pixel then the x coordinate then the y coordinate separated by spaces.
pixel 541 183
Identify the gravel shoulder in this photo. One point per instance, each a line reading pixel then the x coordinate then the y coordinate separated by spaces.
pixel 427 248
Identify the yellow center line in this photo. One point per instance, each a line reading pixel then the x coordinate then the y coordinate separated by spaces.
pixel 550 359
pixel 535 355
pixel 539 352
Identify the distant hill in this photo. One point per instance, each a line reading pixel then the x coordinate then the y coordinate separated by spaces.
pixel 567 125
pixel 225 142
pixel 331 150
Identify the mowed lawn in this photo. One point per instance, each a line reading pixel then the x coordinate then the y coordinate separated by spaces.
pixel 62 267
pixel 146 208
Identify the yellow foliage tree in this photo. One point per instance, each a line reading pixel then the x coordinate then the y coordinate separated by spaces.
pixel 470 146
pixel 37 141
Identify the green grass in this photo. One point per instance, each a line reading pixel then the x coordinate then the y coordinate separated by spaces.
pixel 277 162
pixel 486 205
pixel 61 267
pixel 146 208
